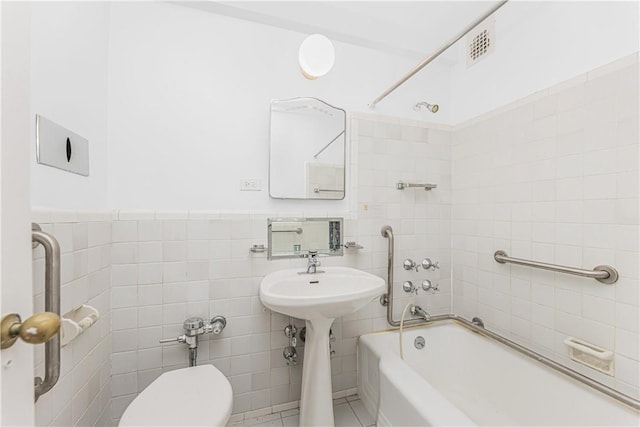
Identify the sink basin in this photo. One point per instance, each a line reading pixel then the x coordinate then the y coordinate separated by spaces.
pixel 336 292
pixel 318 298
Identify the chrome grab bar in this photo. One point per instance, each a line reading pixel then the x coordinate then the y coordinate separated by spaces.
pixel 602 273
pixel 319 190
pixel 403 185
pixel 51 304
pixel 296 230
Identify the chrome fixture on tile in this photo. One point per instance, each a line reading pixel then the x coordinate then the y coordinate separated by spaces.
pixel 257 249
pixel 428 286
pixel 312 263
pixel 431 107
pixel 410 264
pixel 416 310
pixel 602 273
pixel 409 287
pixel 194 327
pixel 291 355
pixel 478 322
pixel 403 185
pixel 353 245
pixel 427 264
pixel 289 352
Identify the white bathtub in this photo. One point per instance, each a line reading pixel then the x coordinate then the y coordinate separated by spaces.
pixel 463 378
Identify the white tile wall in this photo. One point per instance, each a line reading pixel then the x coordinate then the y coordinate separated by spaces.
pixel 82 395
pixel 169 266
pixel 554 178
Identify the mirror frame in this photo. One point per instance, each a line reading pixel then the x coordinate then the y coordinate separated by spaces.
pixel 344 153
pixel 271 255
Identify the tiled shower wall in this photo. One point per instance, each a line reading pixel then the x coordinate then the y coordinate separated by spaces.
pixel 82 395
pixel 554 178
pixel 168 266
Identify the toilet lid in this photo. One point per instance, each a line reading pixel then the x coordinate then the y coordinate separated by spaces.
pixel 196 396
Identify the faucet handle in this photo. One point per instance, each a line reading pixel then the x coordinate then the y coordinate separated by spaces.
pixel 409 287
pixel 427 264
pixel 428 286
pixel 409 264
pixel 181 338
pixel 312 254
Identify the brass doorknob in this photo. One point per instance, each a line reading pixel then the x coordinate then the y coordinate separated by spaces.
pixel 37 329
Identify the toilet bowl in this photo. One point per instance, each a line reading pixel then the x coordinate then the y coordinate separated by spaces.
pixel 195 396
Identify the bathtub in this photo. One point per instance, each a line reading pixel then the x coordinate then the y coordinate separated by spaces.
pixel 463 378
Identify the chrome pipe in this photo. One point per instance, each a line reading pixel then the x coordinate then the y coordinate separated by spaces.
pixel 51 304
pixel 602 273
pixel 437 53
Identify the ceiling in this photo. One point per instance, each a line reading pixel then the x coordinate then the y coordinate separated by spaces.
pixel 408 28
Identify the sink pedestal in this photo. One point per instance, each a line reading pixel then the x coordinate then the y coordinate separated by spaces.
pixel 316 400
pixel 318 298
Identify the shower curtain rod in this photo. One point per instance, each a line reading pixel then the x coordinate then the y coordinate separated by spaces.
pixel 437 53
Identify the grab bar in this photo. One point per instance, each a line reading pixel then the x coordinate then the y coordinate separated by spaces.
pixel 403 185
pixel 51 304
pixel 602 273
pixel 387 299
pixel 297 231
pixel 328 190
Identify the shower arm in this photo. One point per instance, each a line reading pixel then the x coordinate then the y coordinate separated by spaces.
pixel 437 53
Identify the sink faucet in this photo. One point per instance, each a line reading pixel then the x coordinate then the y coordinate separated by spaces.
pixel 416 310
pixel 312 262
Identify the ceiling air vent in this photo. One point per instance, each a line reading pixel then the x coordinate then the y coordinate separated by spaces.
pixel 481 41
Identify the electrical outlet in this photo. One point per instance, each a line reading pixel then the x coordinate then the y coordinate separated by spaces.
pixel 250 185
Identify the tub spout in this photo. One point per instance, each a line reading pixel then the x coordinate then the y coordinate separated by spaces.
pixel 416 310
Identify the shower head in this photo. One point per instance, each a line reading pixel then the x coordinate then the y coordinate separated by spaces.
pixel 431 107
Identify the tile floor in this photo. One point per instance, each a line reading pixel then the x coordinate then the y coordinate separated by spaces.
pixel 348 412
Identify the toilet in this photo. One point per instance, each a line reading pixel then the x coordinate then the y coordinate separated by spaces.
pixel 194 396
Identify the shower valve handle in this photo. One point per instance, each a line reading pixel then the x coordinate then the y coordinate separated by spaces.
pixel 427 264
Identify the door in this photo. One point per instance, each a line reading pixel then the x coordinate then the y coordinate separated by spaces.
pixel 16 370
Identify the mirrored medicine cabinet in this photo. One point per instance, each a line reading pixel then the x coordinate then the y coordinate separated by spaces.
pixel 307 150
pixel 295 237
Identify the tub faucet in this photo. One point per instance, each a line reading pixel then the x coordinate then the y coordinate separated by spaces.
pixel 416 310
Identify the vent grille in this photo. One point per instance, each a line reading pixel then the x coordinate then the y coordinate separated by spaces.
pixel 481 42
pixel 479 45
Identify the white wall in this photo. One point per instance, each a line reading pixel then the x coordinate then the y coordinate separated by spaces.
pixel 168 266
pixel 189 104
pixel 539 44
pixel 69 45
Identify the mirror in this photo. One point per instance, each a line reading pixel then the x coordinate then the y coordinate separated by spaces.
pixel 295 237
pixel 307 153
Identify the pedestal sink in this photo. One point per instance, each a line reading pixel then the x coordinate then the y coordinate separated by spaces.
pixel 318 298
